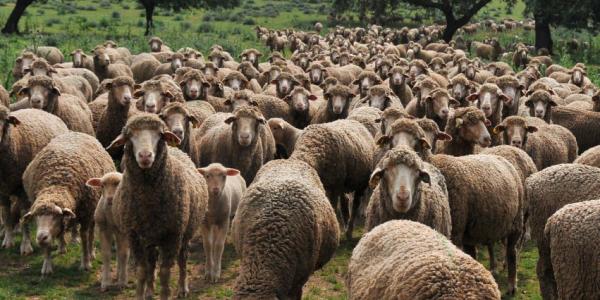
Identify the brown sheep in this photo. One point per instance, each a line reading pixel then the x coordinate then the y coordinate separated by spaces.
pixel 467 127
pixel 434 106
pixel 491 101
pixel 173 63
pixel 540 104
pixel 303 106
pixel 157 45
pixel 397 81
pixel 251 55
pixel 22 64
pixel 82 60
pixel 143 67
pixel 461 87
pixel 104 68
pixel 153 95
pixel 365 80
pixel 338 100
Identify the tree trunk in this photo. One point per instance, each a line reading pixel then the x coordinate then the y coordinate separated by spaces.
pixel 12 24
pixel 149 5
pixel 543 36
pixel 362 12
pixel 451 27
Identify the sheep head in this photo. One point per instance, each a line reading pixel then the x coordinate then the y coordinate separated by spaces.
pixel 194 85
pixel 107 184
pixel 178 119
pixel 338 99
pixel 42 92
pixel 514 131
pixel 245 124
pixel 299 99
pixel 216 177
pixel 153 96
pixel 470 125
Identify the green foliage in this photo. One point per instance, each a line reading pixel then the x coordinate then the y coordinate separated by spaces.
pixel 579 14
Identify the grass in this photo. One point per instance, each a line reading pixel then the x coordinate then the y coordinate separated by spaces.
pixel 70 24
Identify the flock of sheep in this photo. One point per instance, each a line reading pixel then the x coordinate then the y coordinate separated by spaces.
pixel 437 152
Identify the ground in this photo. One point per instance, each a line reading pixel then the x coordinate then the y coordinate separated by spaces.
pixel 70 24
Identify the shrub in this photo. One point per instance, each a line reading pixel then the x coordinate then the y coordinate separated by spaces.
pixel 205 28
pixel 249 21
pixel 185 26
pixel 105 4
pixel 104 22
pixel 178 18
pixel 116 15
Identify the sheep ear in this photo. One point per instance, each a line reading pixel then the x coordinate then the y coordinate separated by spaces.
pixel 94 182
pixel 23 91
pixel 195 122
pixel 261 120
pixel 424 177
pixel 473 97
pixel 27 217
pixel 528 103
pixel 383 140
pixel 55 91
pixel 425 144
pixel 168 95
pixel 442 136
pixel 230 120
pixel 202 171
pixel 118 142
pixel 138 93
pixel 253 103
pixel 531 129
pixel 274 81
pixel 171 139
pixel 375 178
pixel 499 128
pixel 232 172
pixel 356 82
pixel 13 120
pixel 68 214
pixel 552 103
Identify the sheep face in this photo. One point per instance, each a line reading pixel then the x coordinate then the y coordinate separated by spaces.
pixel 338 102
pixel 101 58
pixel 245 128
pixel 216 177
pixel 415 71
pixel 107 185
pixel 397 77
pixel 577 76
pixel 470 71
pixel 285 84
pixel 40 96
pixel 123 93
pixel 194 88
pixel 512 93
pixel 78 57
pixel 378 99
pixel 155 45
pixel 344 59
pixel 176 62
pixel 152 101
pixel 401 184
pixel 177 121
pixel 50 223
pixel 540 104
pixel 317 75
pixel 236 83
pixel 217 59
pixel 439 101
pixel 476 133
pixel 240 99
pixel 210 70
pixel 274 73
pixel 459 90
pixel 25 63
pixel 515 133
pixel 365 83
pixel 299 99
pixel 489 100
pixel 252 57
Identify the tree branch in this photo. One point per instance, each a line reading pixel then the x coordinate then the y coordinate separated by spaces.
pixel 472 11
pixel 427 3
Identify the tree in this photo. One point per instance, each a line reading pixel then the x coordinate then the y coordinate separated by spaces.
pixel 582 14
pixel 177 5
pixel 12 24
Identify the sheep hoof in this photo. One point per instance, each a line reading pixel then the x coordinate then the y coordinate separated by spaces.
pixel 26 248
pixel 47 268
pixel 85 266
pixel 183 293
pixel 8 242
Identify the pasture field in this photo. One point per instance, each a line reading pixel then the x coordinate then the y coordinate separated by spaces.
pixel 70 25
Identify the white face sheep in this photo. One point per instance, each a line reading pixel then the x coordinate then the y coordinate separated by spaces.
pixel 152 96
pixel 515 130
pixel 245 128
pixel 236 81
pixel 178 119
pixel 540 105
pixel 40 95
pixel 338 99
pixel 299 99
pixel 240 98
pixel 285 83
pixel 490 99
pixel 194 85
pixel 365 80
pixel 400 178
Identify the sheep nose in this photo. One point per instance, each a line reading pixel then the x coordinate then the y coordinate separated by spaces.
pixel 445 112
pixel 145 155
pixel 245 136
pixel 178 132
pixel 35 102
pixel 516 143
pixel 539 112
pixel 43 238
pixel 150 107
pixel 127 98
pixel 487 140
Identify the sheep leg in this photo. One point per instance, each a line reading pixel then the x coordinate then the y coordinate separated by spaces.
pixel 164 273
pixel 105 252
pixel 490 248
pixel 355 208
pixel 9 225
pixel 152 255
pixel 122 259
pixel 471 250
pixel 47 265
pixel 62 243
pixel 26 248
pixel 74 237
pixel 141 269
pixel 344 207
pixel 86 263
pixel 206 243
pixel 221 235
pixel 183 289
pixel 545 273
pixel 511 261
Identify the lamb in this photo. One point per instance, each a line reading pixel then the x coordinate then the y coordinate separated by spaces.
pixel 143 67
pixel 572 235
pixel 578 77
pixel 157 45
pixel 397 82
pixel 104 68
pixel 160 177
pixel 369 117
pixel 581 123
pixel 225 189
pixel 547 145
pixel 476 183
pixel 342 147
pixel 289 201
pixel 285 136
pixel 434 105
pixel 55 185
pixel 404 187
pixel 590 157
pixel 23 134
pixel 118 110
pixel 338 100
pixel 548 191
pixel 43 94
pixel 407 260
pixel 104 218
pixel 82 60
pixel 245 143
pixel 173 63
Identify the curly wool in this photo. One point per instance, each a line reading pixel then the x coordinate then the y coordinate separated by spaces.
pixel 409 260
pixel 460 79
pixel 369 74
pixel 235 75
pixel 41 80
pixel 590 157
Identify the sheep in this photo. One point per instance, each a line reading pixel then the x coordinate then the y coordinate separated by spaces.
pixel 4 97
pixel 397 81
pixel 345 75
pixel 180 122
pixel 389 116
pixel 461 87
pixel 572 236
pixel 590 157
pixel 365 80
pixel 251 55
pixel 520 58
pixel 166 181
pixel 285 136
pixel 547 145
pixel 173 63
pixel 378 96
pixel 433 136
pixel 404 187
pixel 513 90
pixel 491 100
pixel 407 260
pixel 68 84
pixel 282 85
pixel 318 27
pixel 342 147
pixel 118 110
pixel 104 218
pixel 82 60
pixel 225 189
pixel 157 45
pixel 143 67
pixel 583 124
pixel 237 81
pixel 433 105
pixel 338 100
pixel 245 143
pixel 419 67
pixel 43 94
pixel 269 106
pixel 55 185
pixel 303 106
pixel 104 68
pixel 22 64
pixel 487 51
pixel 369 117
pixel 540 104
pixel 52 54
pixel 425 55
pixel 23 134
pixel 153 95
pixel 488 179
pixel 499 68
pixel 548 191
pixel 289 201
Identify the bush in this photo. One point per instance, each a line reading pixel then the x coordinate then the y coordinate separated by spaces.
pixel 249 21
pixel 207 18
pixel 116 15
pixel 205 28
pixel 185 26
pixel 178 18
pixel 105 4
pixel 104 22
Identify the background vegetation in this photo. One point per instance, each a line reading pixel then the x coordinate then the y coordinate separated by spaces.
pixel 69 25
